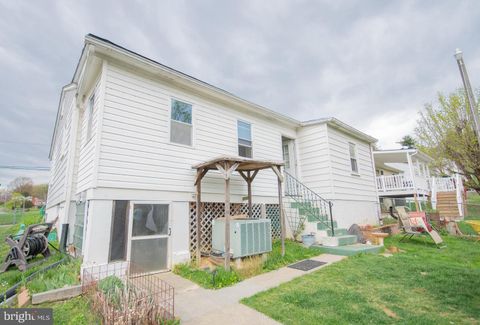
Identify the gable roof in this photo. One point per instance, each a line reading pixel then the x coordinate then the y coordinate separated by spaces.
pixel 96 44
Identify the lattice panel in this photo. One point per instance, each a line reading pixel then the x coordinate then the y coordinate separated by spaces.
pixel 273 213
pixel 214 210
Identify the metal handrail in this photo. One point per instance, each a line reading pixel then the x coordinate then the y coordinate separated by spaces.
pixel 303 194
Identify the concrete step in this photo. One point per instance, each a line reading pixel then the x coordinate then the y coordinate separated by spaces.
pixel 297 205
pixel 326 225
pixel 338 232
pixel 350 250
pixel 340 240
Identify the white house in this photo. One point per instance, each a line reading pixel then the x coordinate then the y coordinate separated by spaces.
pixel 128 132
pixel 405 173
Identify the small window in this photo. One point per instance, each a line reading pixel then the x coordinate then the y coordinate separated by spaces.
pixel 78 227
pixel 181 123
pixel 91 104
pixel 118 236
pixel 286 155
pixel 244 139
pixel 353 157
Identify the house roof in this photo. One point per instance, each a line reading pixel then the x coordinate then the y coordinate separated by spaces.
pixel 399 156
pixel 336 123
pixel 102 46
pixel 96 40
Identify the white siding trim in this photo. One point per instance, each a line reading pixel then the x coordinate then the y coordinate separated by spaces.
pixel 101 109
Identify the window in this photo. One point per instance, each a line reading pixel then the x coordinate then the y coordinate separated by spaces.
pixel 118 236
pixel 353 157
pixel 91 103
pixel 79 226
pixel 244 139
pixel 286 155
pixel 181 123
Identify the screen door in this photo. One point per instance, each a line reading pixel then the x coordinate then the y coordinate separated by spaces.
pixel 149 237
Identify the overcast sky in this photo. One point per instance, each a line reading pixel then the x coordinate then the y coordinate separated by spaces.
pixel 372 64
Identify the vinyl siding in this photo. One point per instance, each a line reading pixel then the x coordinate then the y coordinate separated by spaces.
pixel 136 152
pixel 348 185
pixel 314 159
pixel 84 171
pixel 59 162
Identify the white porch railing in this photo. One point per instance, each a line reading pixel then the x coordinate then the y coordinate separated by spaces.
pixel 399 184
pixel 394 183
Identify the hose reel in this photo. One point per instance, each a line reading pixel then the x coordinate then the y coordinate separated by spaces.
pixel 27 246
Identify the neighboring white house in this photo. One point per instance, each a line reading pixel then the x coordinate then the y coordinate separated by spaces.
pixel 405 173
pixel 128 132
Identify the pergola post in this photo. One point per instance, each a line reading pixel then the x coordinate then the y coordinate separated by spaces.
pixel 249 191
pixel 198 212
pixel 227 224
pixel 277 170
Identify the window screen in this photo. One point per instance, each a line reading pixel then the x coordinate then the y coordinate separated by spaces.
pixel 353 157
pixel 244 131
pixel 118 236
pixel 150 219
pixel 181 123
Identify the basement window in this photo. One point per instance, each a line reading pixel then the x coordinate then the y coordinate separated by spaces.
pixel 181 123
pixel 244 131
pixel 353 157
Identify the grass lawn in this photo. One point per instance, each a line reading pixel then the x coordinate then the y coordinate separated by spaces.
pixel 422 285
pixel 293 252
pixel 75 311
pixel 7 217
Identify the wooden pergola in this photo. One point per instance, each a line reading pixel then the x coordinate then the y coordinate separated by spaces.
pixel 248 169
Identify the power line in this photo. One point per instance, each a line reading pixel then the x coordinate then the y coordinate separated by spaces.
pixel 25 143
pixel 37 168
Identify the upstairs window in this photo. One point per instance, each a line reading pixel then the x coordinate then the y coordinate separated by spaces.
pixel 244 131
pixel 91 104
pixel 181 123
pixel 353 157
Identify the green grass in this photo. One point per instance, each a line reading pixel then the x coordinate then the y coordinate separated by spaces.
pixel 75 311
pixel 422 285
pixel 65 274
pixel 293 252
pixel 13 275
pixel 7 217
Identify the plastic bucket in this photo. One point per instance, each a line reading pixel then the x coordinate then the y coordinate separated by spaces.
pixel 308 240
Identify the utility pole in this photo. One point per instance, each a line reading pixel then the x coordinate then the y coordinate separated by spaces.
pixel 469 92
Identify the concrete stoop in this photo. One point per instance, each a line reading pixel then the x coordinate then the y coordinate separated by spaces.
pixel 350 250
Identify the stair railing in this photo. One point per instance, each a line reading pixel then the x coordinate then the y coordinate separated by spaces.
pixel 309 200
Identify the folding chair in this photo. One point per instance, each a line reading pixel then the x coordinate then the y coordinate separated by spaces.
pixel 415 223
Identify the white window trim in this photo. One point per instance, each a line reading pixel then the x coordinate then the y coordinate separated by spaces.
pixel 357 172
pixel 251 136
pixel 192 146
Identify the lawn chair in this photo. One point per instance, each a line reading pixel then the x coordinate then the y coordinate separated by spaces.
pixel 415 223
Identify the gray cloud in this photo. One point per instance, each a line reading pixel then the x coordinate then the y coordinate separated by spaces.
pixel 372 64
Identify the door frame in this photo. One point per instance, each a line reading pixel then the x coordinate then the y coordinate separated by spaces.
pixel 168 236
pixel 292 154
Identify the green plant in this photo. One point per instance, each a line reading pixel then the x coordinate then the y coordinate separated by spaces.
pixel 112 287
pixel 216 279
pixel 65 274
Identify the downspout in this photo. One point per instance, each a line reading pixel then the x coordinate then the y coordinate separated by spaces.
pixel 379 209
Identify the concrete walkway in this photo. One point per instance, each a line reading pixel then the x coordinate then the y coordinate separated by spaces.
pixel 196 305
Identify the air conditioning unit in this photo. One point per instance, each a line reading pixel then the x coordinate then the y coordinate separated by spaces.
pixel 247 236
